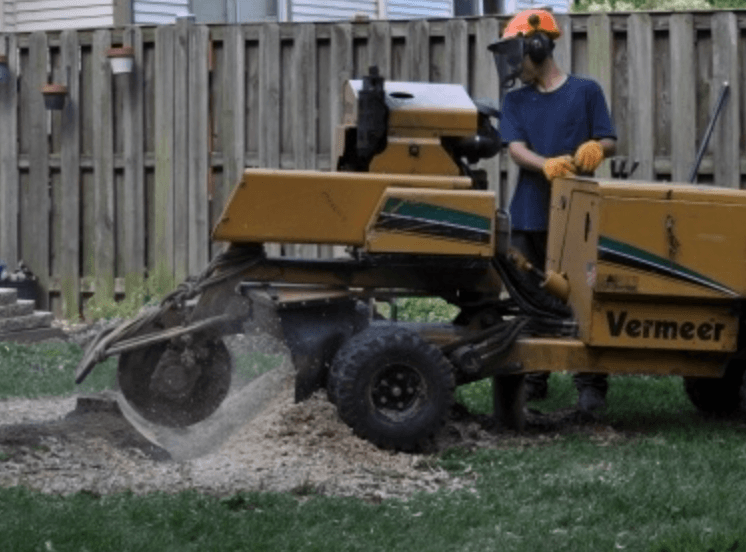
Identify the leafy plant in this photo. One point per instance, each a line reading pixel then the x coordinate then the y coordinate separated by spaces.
pixel 148 292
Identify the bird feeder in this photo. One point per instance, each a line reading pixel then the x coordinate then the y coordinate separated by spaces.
pixel 54 95
pixel 121 59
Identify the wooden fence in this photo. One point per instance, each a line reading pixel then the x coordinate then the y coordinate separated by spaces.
pixel 130 176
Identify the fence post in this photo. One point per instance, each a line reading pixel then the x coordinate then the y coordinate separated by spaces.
pixel 641 123
pixel 35 201
pixel 683 96
pixel 103 167
pixel 725 151
pixel 134 168
pixel 9 181
pixel 163 193
pixel 69 208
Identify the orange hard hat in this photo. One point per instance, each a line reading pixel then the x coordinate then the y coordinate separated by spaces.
pixel 528 22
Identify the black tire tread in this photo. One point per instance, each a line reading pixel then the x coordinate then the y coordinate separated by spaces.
pixel 719 396
pixel 354 361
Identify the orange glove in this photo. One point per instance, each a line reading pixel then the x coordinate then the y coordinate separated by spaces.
pixel 556 167
pixel 589 156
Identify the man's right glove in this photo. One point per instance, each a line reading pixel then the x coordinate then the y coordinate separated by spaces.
pixel 589 156
pixel 556 167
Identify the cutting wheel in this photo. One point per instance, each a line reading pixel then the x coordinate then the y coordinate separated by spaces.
pixel 176 383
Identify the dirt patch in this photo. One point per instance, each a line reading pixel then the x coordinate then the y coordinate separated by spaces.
pixel 302 448
pixel 86 444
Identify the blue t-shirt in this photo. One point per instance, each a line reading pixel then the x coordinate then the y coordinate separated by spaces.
pixel 551 124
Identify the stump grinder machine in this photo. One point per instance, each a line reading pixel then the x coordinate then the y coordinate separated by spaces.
pixel 641 278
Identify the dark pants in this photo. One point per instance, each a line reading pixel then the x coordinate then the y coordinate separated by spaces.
pixel 533 245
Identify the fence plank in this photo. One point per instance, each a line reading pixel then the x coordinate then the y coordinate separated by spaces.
pixel 727 137
pixel 683 89
pixel 270 99
pixel 379 48
pixel 486 86
pixel 303 86
pixel 199 151
pixel 9 182
pixel 232 116
pixel 457 52
pixel 35 201
pixel 103 167
pixel 163 225
pixel 642 137
pixel 600 63
pixel 181 165
pixel 69 207
pixel 418 51
pixel 134 170
pixel 270 96
pixel 340 70
pixel 563 45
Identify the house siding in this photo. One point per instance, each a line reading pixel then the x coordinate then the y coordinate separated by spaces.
pixel 402 9
pixel 164 12
pixel 310 10
pixel 314 10
pixel 43 15
pixel 557 6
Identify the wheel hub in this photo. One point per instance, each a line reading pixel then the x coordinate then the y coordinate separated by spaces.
pixel 177 371
pixel 396 387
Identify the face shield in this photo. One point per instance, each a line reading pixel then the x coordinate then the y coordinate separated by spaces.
pixel 508 59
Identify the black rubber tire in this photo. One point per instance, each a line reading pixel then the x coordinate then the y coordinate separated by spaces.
pixel 136 369
pixel 421 394
pixel 718 396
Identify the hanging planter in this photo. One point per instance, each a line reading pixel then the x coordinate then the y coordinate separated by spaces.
pixel 121 59
pixel 54 95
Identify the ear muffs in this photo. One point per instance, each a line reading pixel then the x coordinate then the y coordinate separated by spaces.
pixel 538 47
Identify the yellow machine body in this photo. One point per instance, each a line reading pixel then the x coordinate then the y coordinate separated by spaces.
pixel 378 213
pixel 656 271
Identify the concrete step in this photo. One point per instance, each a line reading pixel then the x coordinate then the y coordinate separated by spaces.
pixel 22 307
pixel 39 319
pixel 8 296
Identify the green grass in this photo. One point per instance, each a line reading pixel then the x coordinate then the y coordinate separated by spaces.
pixel 665 479
pixel 48 369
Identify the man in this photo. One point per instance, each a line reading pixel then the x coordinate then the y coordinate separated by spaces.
pixel 555 125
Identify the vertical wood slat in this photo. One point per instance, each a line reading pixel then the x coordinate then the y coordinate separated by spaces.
pixel 303 90
pixel 232 116
pixel 270 99
pixel 600 63
pixel 164 148
pixel 103 167
pixel 198 150
pixel 457 52
pixel 134 168
pixel 341 67
pixel 486 86
pixel 641 120
pixel 379 48
pixel 180 188
pixel 69 208
pixel 418 51
pixel 340 70
pixel 35 201
pixel 9 182
pixel 563 45
pixel 683 88
pixel 726 138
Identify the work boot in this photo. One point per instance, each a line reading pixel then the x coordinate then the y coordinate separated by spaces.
pixel 536 386
pixel 591 400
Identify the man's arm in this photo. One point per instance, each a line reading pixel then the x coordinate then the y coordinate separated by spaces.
pixel 609 146
pixel 526 158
